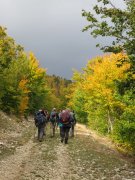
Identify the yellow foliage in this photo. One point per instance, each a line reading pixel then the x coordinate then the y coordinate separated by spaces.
pixel 23 85
pixel 23 104
pixel 24 99
pixel 36 71
pixel 99 76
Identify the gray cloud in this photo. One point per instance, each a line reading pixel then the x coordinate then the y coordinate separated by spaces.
pixel 52 30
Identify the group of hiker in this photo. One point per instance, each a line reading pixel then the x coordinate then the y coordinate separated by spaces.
pixel 64 119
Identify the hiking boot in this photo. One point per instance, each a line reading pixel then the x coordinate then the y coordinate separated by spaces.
pixel 40 140
pixel 66 141
pixel 61 140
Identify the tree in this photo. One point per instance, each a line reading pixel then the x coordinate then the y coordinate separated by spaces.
pixel 110 21
pixel 119 24
pixel 9 51
pixel 36 84
pixel 15 82
pixel 95 96
pixel 95 88
pixel 114 22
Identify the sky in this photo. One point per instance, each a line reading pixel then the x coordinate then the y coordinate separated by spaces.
pixel 52 30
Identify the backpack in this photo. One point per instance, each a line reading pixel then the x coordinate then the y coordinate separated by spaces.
pixel 39 118
pixel 73 117
pixel 53 116
pixel 65 117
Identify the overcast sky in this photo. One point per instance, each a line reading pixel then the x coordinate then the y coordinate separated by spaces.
pixel 52 29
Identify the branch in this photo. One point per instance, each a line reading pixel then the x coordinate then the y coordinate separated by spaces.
pixel 112 4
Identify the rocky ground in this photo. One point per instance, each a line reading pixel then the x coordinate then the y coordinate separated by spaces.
pixel 86 157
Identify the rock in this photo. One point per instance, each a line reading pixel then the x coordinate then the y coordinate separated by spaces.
pixel 2 143
pixel 117 170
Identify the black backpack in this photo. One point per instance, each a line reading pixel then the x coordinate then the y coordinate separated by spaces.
pixel 39 118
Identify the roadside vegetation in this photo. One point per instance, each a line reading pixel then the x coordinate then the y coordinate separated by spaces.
pixel 103 95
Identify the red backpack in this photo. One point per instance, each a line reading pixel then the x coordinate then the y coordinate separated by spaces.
pixel 65 116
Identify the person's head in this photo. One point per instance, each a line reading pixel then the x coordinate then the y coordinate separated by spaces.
pixel 68 109
pixel 43 109
pixel 54 109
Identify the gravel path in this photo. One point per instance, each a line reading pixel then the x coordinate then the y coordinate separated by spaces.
pixel 86 157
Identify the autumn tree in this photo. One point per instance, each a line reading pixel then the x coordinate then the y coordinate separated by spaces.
pixel 9 51
pixel 36 84
pixel 110 21
pixel 23 86
pixel 12 76
pixel 96 96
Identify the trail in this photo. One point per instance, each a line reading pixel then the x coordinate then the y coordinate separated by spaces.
pixel 86 157
pixel 11 167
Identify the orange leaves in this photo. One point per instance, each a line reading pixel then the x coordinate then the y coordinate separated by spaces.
pixel 23 104
pixel 24 99
pixel 23 85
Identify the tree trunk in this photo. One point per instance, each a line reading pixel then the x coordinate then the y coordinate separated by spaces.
pixel 110 123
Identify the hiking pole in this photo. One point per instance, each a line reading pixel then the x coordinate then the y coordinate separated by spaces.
pixel 35 130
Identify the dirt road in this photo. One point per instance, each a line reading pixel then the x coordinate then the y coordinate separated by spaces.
pixel 86 157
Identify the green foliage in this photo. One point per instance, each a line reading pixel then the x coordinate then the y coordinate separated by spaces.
pixel 9 54
pixel 8 49
pixel 113 22
pixel 119 24
pixel 78 100
pixel 124 131
pixel 96 96
pixel 110 21
pixel 98 122
pixel 23 86
pixel 59 89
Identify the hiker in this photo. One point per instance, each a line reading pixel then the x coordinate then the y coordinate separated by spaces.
pixel 47 116
pixel 73 123
pixel 65 125
pixel 40 122
pixel 53 120
pixel 60 113
pixel 57 118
